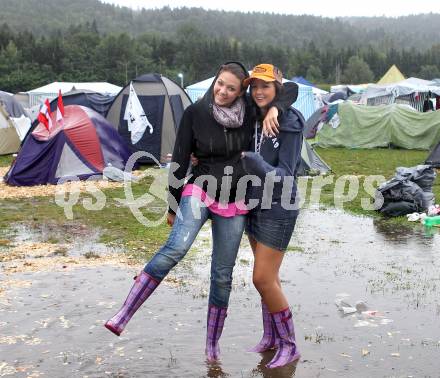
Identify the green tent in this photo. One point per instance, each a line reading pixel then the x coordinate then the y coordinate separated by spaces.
pixel 381 126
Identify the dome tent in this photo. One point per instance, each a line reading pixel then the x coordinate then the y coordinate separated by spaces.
pixel 80 147
pixel 163 102
pixel 94 100
pixel 14 124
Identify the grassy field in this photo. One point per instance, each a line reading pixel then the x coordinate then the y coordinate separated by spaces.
pixel 118 225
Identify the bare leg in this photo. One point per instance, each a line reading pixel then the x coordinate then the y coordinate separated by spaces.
pixel 269 339
pixel 267 264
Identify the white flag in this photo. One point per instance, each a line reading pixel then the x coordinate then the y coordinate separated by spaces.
pixel 135 116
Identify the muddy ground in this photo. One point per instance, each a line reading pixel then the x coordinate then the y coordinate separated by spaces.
pixel 54 299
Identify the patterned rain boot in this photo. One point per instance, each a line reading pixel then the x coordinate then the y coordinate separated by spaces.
pixel 287 351
pixel 269 339
pixel 142 288
pixel 215 322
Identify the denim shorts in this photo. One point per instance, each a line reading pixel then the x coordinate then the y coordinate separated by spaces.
pixel 274 233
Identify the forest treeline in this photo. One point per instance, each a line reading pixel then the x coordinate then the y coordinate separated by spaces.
pixel 114 44
pixel 43 17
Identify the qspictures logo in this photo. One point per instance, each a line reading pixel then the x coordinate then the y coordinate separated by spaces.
pixel 273 190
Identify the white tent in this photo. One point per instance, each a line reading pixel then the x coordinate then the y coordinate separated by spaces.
pixel 50 91
pixel 402 88
pixel 411 91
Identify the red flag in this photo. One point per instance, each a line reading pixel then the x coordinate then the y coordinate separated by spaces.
pixel 60 108
pixel 44 116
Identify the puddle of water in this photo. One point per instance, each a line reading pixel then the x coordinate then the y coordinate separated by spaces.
pixel 77 239
pixel 55 326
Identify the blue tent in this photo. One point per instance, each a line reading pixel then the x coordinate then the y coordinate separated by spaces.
pixel 301 80
pixel 80 147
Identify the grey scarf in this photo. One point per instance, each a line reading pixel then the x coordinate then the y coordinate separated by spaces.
pixel 230 116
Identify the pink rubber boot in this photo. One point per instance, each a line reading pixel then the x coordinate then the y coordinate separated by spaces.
pixel 140 291
pixel 287 351
pixel 269 339
pixel 215 323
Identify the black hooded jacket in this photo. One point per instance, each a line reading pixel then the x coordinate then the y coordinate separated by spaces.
pixel 217 148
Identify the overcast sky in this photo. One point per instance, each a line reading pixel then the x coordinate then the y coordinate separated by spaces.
pixel 326 8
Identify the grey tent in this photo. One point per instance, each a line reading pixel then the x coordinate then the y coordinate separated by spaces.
pixel 434 157
pixel 163 102
pixel 14 124
pixel 311 162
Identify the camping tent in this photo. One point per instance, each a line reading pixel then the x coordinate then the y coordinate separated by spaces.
pixel 311 162
pixel 411 91
pixel 82 146
pixel 99 102
pixel 38 95
pixel 14 124
pixel 381 126
pixel 393 75
pixel 301 80
pixel 305 102
pixel 163 102
pixel 434 157
pixel 96 101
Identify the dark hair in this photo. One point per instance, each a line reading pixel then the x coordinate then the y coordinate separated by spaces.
pixel 235 69
pixel 278 90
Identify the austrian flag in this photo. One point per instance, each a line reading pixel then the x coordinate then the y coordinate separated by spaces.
pixel 60 109
pixel 44 116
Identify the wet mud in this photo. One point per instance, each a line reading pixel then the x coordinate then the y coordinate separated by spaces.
pixel 53 306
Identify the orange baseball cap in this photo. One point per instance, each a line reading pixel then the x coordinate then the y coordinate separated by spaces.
pixel 266 72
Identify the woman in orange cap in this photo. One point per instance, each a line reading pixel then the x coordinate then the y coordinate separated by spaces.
pixel 271 223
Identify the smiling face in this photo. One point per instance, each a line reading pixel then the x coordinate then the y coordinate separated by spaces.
pixel 263 93
pixel 226 89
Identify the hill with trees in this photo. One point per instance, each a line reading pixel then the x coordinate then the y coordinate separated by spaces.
pixel 86 40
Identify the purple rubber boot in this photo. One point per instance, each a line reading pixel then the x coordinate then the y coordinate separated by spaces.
pixel 269 339
pixel 287 351
pixel 216 320
pixel 140 291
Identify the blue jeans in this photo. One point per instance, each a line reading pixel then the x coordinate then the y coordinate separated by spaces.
pixel 226 237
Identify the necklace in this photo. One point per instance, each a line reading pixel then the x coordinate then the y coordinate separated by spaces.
pixel 258 141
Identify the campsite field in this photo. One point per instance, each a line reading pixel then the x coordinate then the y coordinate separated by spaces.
pixel 62 278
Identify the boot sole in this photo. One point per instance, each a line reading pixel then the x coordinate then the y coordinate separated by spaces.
pixel 112 329
pixel 296 357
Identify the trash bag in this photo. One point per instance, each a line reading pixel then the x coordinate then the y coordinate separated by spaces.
pixel 397 209
pixel 409 191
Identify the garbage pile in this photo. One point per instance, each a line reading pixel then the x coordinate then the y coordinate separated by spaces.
pixel 408 192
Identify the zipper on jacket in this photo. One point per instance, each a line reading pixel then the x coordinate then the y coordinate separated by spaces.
pixel 225 131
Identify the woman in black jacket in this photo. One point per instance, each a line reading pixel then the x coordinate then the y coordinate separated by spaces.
pixel 215 129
